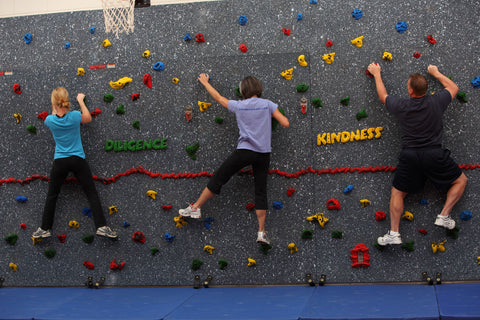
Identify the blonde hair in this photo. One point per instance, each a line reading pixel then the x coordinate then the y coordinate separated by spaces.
pixel 60 98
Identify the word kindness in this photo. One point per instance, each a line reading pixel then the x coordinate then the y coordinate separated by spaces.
pixel 349 136
pixel 136 145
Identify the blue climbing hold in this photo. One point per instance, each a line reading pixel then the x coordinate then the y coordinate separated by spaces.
pixel 466 215
pixel 87 212
pixel 92 30
pixel 208 221
pixel 313 1
pixel 277 205
pixel 423 201
pixel 299 16
pixel 159 66
pixel 67 45
pixel 169 237
pixel 401 26
pixel 242 20
pixel 475 82
pixel 22 199
pixel 187 37
pixel 348 188
pixel 357 13
pixel 28 38
pixel 126 224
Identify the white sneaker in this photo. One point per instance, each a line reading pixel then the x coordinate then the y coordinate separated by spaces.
pixel 40 233
pixel 191 212
pixel 389 239
pixel 262 238
pixel 445 221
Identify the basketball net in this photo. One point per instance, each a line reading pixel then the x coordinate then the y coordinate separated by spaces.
pixel 118 16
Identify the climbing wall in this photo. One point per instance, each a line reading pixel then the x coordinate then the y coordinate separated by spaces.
pixel 326 195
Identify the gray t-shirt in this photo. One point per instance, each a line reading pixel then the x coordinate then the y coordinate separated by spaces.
pixel 254 120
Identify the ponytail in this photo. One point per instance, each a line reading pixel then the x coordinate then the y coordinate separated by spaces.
pixel 60 98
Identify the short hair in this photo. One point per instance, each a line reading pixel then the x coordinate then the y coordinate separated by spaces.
pixel 250 86
pixel 419 84
pixel 60 98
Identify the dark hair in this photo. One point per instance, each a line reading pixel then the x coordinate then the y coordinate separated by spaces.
pixel 250 86
pixel 419 84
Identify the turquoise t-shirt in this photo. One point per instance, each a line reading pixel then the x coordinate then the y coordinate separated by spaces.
pixel 66 133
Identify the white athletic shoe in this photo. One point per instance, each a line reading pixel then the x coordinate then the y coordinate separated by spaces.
pixel 445 221
pixel 191 212
pixel 389 239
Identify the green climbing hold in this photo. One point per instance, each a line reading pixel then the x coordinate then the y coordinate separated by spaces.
pixel 50 253
pixel 196 264
pixel 408 246
pixel 362 114
pixel 274 121
pixel 317 103
pixel 307 234
pixel 11 239
pixel 238 93
pixel 108 97
pixel 379 246
pixel 302 87
pixel 265 247
pixel 345 101
pixel 121 109
pixel 192 150
pixel 154 251
pixel 88 238
pixel 222 264
pixel 31 128
pixel 452 233
pixel 462 96
pixel 136 124
pixel 336 234
pixel 218 120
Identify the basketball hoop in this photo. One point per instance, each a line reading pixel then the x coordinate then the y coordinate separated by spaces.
pixel 118 16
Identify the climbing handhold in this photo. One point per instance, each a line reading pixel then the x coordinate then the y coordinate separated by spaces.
pixel 180 221
pixel 95 112
pixel 188 112
pixel 169 237
pixel 333 204
pixel 115 266
pixel 423 201
pixel 209 249
pixel 408 216
pixel 138 236
pixel 250 206
pixel 348 189
pixel 120 109
pixel 196 264
pixel 358 41
pixel 36 240
pixel 361 114
pixel 28 37
pixel 423 231
pixel 67 45
pixel 175 80
pixel 154 251
pixel 438 247
pixel 286 31
pixel 329 57
pixel 287 74
pixel 301 60
pixel 265 247
pixel 357 13
pixel 218 120
pixel 87 212
pixel 466 215
pixel 313 1
pixel 364 202
pixel 387 56
pixel 16 88
pixel 158 66
pixel 475 82
pixel 461 96
pixel 356 261
pixel 80 72
pixel 401 26
pixel 207 222
pixel 187 37
pixel 307 234
pixel 147 80
pixel 192 150
pixel 329 43
pixel 251 262
pixel 322 220
pixel 203 105
pixel 380 215
pixel 277 205
pixel 18 117
pixel 151 194
pixel 302 87
pixel 222 264
pixel 408 246
pixel 293 247
pixel 21 199
pixel 13 266
pixel 135 96
pixel 88 238
pixel 50 253
pixel 199 37
pixel 299 16
pixel 167 207
pixel 62 237
pixel 120 83
pixel 337 234
pixel 431 39
pixel 243 48
pixel 345 101
pixel 88 265
pixel 23 226
pixel 242 20
pixel 11 239
pixel 106 43
pixel 146 53
pixel 126 224
pixel 73 224
pixel 317 102
pixel 92 30
pixel 32 129
pixel 108 97
pixel 112 210
pixel 290 192
pixel 417 55
pixel 452 233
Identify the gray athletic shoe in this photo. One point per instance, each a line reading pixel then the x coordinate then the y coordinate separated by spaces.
pixel 389 239
pixel 445 221
pixel 106 232
pixel 40 233
pixel 191 212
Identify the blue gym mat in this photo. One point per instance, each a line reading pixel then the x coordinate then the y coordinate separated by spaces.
pixel 459 301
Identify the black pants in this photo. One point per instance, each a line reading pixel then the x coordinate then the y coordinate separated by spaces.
pixel 60 169
pixel 238 159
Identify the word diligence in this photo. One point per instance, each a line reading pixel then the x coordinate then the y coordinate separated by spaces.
pixel 135 145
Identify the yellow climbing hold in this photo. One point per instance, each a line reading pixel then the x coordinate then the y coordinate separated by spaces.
pixel 80 72
pixel 408 215
pixel 36 240
pixel 478 259
pixel 387 56
pixel 287 74
pixel 293 247
pixel 18 116
pixel 208 249
pixel 204 105
pixel 106 43
pixel 322 220
pixel 13 266
pixel 73 224
pixel 151 194
pixel 120 83
pixel 112 210
pixel 358 41
pixel 438 247
pixel 180 221
pixel 301 61
pixel 364 202
pixel 251 262
pixel 175 80
pixel 329 57
pixel 146 53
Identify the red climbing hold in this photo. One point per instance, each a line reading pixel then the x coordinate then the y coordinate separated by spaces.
pixel 88 265
pixel 62 237
pixel 16 88
pixel 114 265
pixel 416 55
pixel 380 215
pixel 329 43
pixel 147 80
pixel 135 96
pixel 422 231
pixel 243 48
pixel 286 31
pixel 290 191
pixel 333 204
pixel 166 208
pixel 199 37
pixel 431 39
pixel 96 112
pixel 42 115
pixel 138 236
pixel 362 259
pixel 23 226
pixel 250 206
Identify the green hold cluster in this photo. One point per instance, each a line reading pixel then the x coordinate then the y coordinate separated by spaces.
pixel 218 120
pixel 336 234
pixel 307 234
pixel 88 238
pixel 238 93
pixel 264 247
pixel 408 246
pixel 121 109
pixel 154 251
pixel 462 97
pixel 108 97
pixel 222 264
pixel 11 239
pixel 345 101
pixel 302 87
pixel 453 233
pixel 196 264
pixel 192 150
pixel 317 103
pixel 362 114
pixel 32 129
pixel 136 124
pixel 50 253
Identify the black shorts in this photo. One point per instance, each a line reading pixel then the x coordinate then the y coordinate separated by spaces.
pixel 417 165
